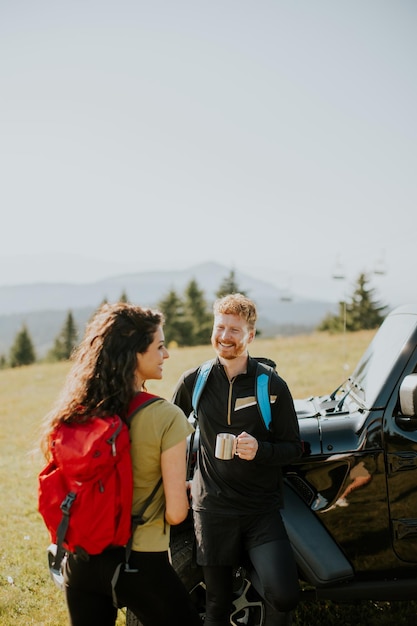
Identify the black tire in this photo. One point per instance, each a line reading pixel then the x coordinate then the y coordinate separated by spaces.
pixel 248 607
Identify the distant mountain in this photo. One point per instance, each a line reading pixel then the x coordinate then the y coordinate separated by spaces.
pixel 44 306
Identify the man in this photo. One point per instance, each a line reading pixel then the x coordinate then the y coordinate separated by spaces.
pixel 236 502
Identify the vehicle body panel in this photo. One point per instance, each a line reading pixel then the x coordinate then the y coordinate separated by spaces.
pixel 358 473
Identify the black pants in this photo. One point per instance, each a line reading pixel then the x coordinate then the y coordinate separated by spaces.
pixel 155 594
pixel 222 541
pixel 275 578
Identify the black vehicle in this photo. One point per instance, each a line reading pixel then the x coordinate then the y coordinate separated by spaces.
pixel 350 503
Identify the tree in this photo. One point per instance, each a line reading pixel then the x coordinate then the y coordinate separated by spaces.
pixel 177 328
pixel 364 312
pixel 361 312
pixel 65 342
pixel 123 297
pixel 196 311
pixel 22 351
pixel 229 285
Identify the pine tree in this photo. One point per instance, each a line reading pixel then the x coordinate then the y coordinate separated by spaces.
pixel 22 351
pixel 177 328
pixel 197 313
pixel 360 312
pixel 123 297
pixel 364 312
pixel 65 342
pixel 229 285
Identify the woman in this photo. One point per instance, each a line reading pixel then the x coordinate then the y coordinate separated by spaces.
pixel 123 347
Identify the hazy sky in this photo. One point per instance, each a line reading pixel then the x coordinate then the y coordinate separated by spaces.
pixel 275 137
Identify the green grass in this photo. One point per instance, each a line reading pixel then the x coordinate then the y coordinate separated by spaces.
pixel 311 364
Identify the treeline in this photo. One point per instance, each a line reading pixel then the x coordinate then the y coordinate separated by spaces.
pixel 188 321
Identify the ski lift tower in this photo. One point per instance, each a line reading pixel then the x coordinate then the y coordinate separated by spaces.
pixel 339 274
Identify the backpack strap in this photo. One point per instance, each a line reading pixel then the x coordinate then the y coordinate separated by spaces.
pixel 139 401
pixel 137 520
pixel 62 531
pixel 263 377
pixel 199 384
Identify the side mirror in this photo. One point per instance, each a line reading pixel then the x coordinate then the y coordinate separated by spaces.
pixel 408 395
pixel 407 421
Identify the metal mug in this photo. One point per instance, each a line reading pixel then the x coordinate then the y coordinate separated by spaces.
pixel 225 446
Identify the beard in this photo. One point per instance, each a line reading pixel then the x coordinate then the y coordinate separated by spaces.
pixel 232 352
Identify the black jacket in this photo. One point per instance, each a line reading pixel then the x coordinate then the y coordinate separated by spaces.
pixel 237 486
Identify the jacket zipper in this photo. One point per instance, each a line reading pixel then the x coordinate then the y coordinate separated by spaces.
pixel 229 402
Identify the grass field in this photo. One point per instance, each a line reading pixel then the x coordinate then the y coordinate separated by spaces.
pixel 311 364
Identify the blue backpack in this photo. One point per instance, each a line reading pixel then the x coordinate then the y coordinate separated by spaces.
pixel 264 370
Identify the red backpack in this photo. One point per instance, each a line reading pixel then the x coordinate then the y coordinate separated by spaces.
pixel 85 491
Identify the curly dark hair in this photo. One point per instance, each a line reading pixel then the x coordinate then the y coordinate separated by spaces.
pixel 101 381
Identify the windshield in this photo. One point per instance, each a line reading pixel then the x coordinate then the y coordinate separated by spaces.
pixel 374 367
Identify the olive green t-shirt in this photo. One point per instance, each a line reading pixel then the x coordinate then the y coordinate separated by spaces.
pixel 154 429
